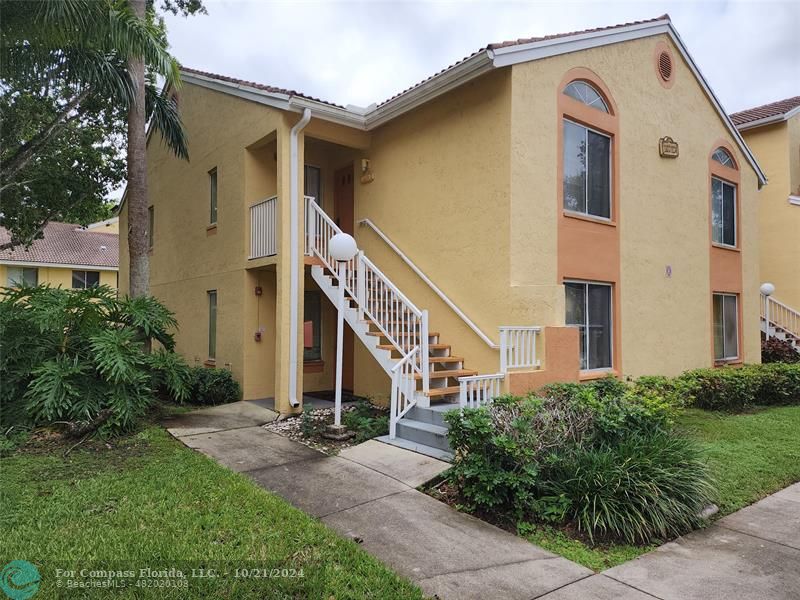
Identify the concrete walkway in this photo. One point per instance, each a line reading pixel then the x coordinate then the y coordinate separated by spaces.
pixel 368 493
pixel 753 554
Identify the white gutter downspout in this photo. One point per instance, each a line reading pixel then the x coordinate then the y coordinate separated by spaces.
pixel 294 258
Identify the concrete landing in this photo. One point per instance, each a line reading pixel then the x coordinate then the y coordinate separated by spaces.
pixel 403 465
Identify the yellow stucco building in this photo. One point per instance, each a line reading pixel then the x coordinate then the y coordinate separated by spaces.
pixel 68 256
pixel 547 209
pixel 773 133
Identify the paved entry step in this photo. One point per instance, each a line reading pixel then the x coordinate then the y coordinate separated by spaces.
pixel 418 448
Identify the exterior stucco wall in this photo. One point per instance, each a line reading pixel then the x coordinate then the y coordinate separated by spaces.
pixel 777 148
pixel 441 193
pixel 663 205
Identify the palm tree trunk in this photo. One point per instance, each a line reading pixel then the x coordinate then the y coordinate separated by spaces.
pixel 138 244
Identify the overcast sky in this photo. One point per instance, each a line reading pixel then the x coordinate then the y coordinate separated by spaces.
pixel 363 52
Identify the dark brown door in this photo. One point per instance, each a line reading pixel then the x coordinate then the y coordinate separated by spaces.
pixel 343 212
pixel 344 216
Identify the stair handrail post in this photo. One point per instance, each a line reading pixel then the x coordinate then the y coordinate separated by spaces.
pixel 311 223
pixel 503 350
pixel 393 406
pixel 361 284
pixel 424 354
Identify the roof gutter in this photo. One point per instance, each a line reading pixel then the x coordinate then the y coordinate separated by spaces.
pixel 294 252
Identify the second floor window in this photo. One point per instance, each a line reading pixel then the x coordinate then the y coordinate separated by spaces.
pixel 587 171
pixel 212 182
pixel 723 212
pixel 85 279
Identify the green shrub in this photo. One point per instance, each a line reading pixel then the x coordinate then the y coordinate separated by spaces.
pixel 741 388
pixel 213 386
pixel 367 421
pixel 81 357
pixel 774 350
pixel 568 454
pixel 637 489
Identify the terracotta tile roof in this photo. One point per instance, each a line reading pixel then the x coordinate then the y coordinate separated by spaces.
pixel 259 86
pixel 68 244
pixel 773 109
pixel 520 41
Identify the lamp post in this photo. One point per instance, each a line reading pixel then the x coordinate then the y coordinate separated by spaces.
pixel 767 289
pixel 342 248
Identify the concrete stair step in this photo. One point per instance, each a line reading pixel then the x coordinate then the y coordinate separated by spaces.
pixel 418 448
pixel 420 432
pixel 433 414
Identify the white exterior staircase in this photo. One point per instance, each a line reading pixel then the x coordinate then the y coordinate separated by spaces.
pixel 780 321
pixel 427 379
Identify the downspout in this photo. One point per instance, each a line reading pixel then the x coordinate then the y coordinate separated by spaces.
pixel 294 259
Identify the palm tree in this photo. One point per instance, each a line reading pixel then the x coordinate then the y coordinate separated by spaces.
pixel 101 51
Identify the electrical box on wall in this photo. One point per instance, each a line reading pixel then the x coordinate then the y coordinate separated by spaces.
pixel 259 291
pixel 258 334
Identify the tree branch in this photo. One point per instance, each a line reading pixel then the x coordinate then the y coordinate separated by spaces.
pixel 28 150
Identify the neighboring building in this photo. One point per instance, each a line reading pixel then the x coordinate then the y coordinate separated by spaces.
pixel 773 133
pixel 68 255
pixel 528 185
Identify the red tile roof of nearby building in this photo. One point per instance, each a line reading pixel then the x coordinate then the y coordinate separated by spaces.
pixel 66 244
pixel 773 109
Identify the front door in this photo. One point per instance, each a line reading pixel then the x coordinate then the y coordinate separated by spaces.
pixel 344 217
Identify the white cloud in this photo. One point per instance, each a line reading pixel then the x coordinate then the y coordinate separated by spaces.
pixel 363 52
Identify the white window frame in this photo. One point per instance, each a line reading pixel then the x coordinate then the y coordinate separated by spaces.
pixel 725 182
pixel 587 283
pixel 736 323
pixel 587 214
pixel 213 196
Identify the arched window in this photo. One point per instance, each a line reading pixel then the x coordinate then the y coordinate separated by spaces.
pixel 583 92
pixel 724 158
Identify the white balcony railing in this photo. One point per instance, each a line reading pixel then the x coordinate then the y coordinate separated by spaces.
pixel 518 348
pixel 263 232
pixel 478 390
pixel 777 315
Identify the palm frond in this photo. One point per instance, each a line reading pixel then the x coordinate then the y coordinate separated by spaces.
pixel 162 109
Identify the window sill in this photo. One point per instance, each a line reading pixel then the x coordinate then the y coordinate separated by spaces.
pixel 725 247
pixel 210 363
pixel 591 219
pixel 211 229
pixel 596 374
pixel 725 362
pixel 313 366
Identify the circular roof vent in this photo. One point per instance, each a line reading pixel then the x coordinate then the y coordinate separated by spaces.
pixel 665 65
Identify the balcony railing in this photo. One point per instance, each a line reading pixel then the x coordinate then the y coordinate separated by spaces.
pixel 263 238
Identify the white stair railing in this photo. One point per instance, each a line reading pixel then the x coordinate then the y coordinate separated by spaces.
pixel 263 215
pixel 777 314
pixel 404 389
pixel 478 390
pixel 377 298
pixel 518 347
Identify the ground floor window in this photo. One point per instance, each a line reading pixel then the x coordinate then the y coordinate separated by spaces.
pixel 312 326
pixel 18 276
pixel 85 279
pixel 726 326
pixel 589 309
pixel 212 324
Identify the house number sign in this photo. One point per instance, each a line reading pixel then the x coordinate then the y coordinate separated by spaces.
pixel 667 147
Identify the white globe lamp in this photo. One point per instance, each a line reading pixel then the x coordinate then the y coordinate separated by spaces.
pixel 342 247
pixel 767 289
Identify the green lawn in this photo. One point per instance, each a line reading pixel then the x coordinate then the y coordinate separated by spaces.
pixel 751 456
pixel 150 502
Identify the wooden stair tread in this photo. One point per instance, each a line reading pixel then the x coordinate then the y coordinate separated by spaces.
pixel 407 348
pixel 448 373
pixel 445 359
pixel 445 391
pixel 381 334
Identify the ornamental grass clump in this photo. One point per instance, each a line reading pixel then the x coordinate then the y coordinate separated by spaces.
pixel 603 457
pixel 82 358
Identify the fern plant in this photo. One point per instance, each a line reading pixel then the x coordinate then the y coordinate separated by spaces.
pixel 83 356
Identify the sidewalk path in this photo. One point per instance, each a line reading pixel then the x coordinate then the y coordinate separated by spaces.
pixel 368 493
pixel 753 554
